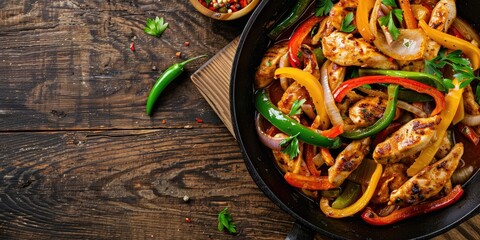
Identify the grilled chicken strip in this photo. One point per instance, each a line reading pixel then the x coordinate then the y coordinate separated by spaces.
pixel 266 70
pixel 343 49
pixel 408 140
pixel 429 181
pixel 294 91
pixel 392 178
pixel 367 111
pixel 348 160
pixel 443 15
pixel 338 13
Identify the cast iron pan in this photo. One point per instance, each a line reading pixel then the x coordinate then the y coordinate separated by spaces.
pixel 310 219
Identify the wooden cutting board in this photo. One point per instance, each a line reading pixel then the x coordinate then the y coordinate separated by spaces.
pixel 213 81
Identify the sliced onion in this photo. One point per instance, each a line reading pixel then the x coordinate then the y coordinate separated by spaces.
pixel 332 110
pixel 471 120
pixel 461 175
pixel 374 17
pixel 410 44
pixel 267 140
pixel 410 108
pixel 308 110
pixel 387 210
pixel 466 30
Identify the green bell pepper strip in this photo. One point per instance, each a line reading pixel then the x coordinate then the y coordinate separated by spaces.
pixel 383 122
pixel 348 196
pixel 424 78
pixel 289 125
pixel 294 15
pixel 166 78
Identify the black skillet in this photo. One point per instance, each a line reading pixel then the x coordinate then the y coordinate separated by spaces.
pixel 309 218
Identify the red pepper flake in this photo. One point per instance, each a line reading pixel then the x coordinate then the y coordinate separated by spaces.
pixel 199 120
pixel 132 46
pixel 178 54
pixel 390 59
pixel 187 220
pixel 164 121
pixel 187 44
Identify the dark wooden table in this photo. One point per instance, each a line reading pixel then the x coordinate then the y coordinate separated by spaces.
pixel 79 159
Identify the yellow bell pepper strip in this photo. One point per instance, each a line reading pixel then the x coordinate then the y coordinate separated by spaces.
pixel 452 42
pixel 313 87
pixel 460 114
pixel 359 204
pixel 361 18
pixel 408 16
pixel 372 218
pixel 452 100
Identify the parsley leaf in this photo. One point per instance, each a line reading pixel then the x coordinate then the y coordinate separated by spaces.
pixel 390 23
pixel 208 2
pixel 390 3
pixel 347 25
pixel 296 107
pixel 460 65
pixel 155 27
pixel 323 7
pixel 290 146
pixel 225 221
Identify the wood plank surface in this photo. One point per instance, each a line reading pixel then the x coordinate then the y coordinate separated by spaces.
pixel 79 159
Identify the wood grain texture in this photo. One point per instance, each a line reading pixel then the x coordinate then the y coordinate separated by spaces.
pixel 79 159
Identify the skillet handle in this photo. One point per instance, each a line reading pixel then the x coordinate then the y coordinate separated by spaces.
pixel 300 232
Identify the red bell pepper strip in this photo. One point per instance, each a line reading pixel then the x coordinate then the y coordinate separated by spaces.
pixel 347 86
pixel 296 40
pixel 243 3
pixel 469 133
pixel 372 218
pixel 309 154
pixel 308 182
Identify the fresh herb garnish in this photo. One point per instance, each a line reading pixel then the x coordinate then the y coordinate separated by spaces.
pixel 155 27
pixel 390 3
pixel 290 146
pixel 296 107
pixel 208 2
pixel 225 221
pixel 323 7
pixel 460 65
pixel 347 25
pixel 389 22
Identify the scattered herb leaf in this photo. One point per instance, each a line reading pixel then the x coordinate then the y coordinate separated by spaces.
pixel 290 146
pixel 225 221
pixel 460 65
pixel 296 107
pixel 323 7
pixel 155 27
pixel 390 3
pixel 347 25
pixel 208 2
pixel 389 22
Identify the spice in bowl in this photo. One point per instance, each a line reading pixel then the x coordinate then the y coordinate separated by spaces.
pixel 225 6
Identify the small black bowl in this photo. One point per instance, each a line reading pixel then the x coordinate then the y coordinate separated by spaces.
pixel 253 44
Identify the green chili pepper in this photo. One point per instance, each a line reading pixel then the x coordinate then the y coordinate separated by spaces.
pixel 383 122
pixel 294 15
pixel 289 125
pixel 348 196
pixel 425 78
pixel 166 78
